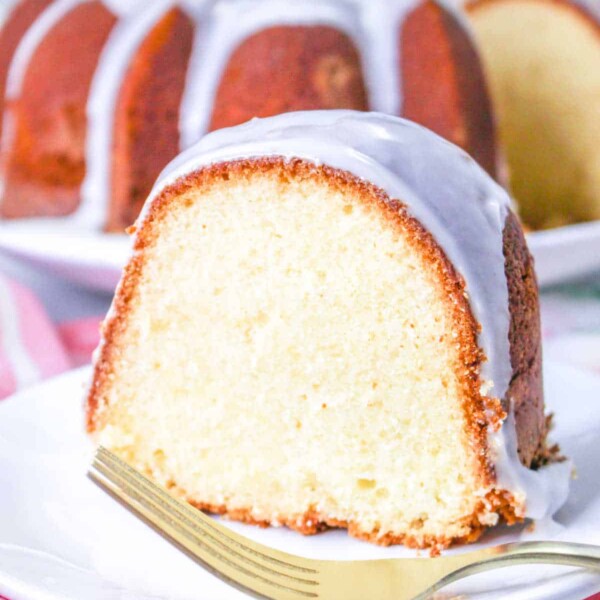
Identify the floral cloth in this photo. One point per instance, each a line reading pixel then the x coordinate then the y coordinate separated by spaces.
pixel 33 348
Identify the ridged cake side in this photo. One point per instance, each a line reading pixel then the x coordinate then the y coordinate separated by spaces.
pixel 307 68
pixel 18 21
pixel 444 87
pixel 146 117
pixel 44 150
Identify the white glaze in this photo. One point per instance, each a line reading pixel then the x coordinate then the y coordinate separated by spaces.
pixel 6 9
pixel 12 345
pixel 456 201
pixel 383 23
pixel 124 8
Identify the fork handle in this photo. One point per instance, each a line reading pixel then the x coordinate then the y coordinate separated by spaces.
pixel 557 553
pixel 585 556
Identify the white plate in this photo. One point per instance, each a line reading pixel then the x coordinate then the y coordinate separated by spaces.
pixel 62 537
pixel 93 259
pixel 96 259
pixel 566 253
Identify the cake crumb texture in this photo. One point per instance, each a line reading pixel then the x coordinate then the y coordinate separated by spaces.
pixel 290 347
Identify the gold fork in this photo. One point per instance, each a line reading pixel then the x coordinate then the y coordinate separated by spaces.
pixel 267 573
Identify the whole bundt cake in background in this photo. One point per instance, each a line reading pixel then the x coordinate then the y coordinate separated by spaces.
pixel 543 62
pixel 101 95
pixel 358 345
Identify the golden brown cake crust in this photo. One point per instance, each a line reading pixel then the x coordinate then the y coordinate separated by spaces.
pixel 480 412
pixel 526 387
pixel 443 83
pixel 146 128
pixel 288 68
pixel 312 523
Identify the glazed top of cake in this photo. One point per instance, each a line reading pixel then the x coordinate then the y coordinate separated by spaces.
pixel 455 200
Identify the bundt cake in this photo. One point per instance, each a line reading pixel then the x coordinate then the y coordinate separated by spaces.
pixel 543 62
pixel 331 319
pixel 101 95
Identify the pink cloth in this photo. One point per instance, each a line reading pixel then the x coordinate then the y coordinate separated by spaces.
pixel 33 348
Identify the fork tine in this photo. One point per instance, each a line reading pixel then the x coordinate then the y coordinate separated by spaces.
pixel 192 529
pixel 221 566
pixel 257 571
pixel 265 584
pixel 207 526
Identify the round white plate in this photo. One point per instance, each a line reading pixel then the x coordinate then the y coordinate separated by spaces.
pixel 62 537
pixel 92 259
pixel 95 259
pixel 566 253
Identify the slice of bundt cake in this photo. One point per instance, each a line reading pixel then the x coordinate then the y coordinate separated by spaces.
pixel 95 115
pixel 330 319
pixel 543 61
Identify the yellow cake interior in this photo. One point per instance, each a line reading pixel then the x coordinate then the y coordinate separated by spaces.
pixel 289 353
pixel 543 62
